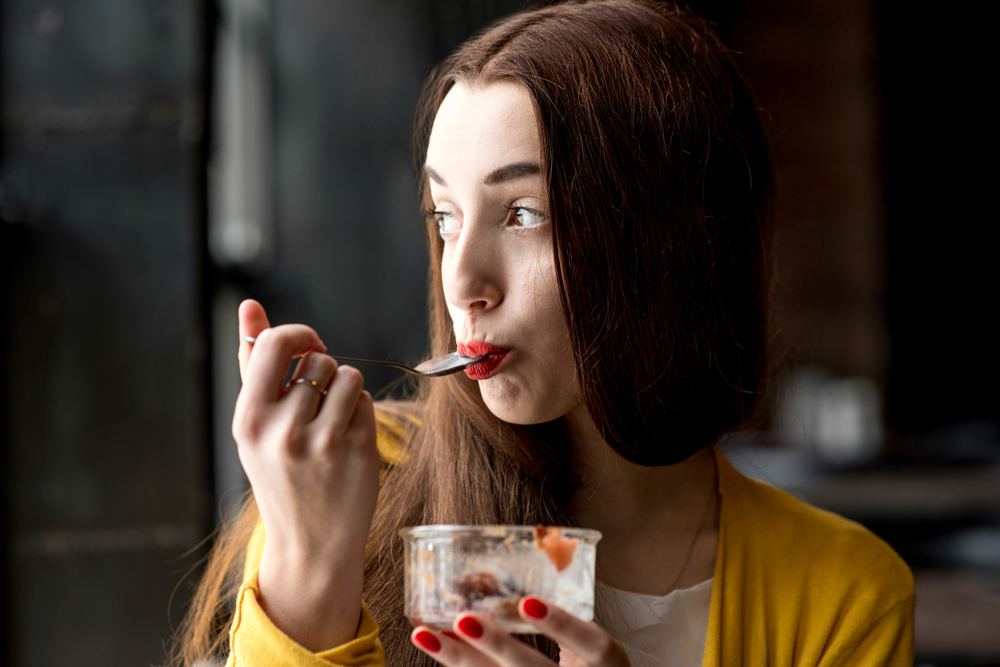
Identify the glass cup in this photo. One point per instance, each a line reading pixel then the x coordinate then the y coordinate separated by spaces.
pixel 488 569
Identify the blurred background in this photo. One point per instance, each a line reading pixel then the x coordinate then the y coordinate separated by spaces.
pixel 161 160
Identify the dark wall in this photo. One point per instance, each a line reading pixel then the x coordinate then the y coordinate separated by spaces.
pixel 939 140
pixel 104 469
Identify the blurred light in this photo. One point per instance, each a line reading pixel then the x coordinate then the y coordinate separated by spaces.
pixel 976 547
pixel 108 541
pixel 841 418
pixel 239 242
pixel 241 219
pixel 49 21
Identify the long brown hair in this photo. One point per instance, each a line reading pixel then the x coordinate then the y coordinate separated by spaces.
pixel 659 181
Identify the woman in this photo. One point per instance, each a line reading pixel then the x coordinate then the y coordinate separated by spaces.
pixel 597 184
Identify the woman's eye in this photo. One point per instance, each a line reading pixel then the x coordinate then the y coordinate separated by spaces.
pixel 527 217
pixel 447 222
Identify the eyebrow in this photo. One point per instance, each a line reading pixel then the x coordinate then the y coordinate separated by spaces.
pixel 504 174
pixel 512 172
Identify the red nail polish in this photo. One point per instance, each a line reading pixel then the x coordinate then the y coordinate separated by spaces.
pixel 451 635
pixel 534 608
pixel 427 641
pixel 470 627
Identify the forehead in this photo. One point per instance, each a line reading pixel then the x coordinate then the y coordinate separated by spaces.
pixel 478 128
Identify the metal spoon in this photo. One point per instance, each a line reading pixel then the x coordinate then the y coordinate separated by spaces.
pixel 432 368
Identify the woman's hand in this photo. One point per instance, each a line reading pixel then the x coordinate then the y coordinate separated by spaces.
pixel 476 642
pixel 313 465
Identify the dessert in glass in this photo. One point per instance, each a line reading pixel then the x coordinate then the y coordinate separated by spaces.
pixel 451 570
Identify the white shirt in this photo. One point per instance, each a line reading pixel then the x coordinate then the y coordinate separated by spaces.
pixel 657 630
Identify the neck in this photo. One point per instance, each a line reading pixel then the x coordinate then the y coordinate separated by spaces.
pixel 665 517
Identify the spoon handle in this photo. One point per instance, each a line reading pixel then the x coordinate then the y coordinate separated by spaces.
pixel 352 360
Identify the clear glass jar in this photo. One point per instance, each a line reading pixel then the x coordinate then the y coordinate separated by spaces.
pixel 488 569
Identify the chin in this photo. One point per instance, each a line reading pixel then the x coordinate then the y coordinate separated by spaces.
pixel 518 417
pixel 515 407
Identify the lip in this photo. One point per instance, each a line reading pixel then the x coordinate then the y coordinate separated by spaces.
pixel 495 355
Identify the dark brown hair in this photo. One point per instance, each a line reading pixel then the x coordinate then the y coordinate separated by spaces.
pixel 659 180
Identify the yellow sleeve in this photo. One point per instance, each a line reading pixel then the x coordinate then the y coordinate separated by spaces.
pixel 391 423
pixel 255 640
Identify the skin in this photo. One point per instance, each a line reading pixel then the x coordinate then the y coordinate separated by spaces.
pixel 309 460
pixel 314 472
pixel 497 266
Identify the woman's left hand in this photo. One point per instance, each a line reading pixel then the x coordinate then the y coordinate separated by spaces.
pixel 476 642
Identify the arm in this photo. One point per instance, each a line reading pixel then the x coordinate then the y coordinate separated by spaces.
pixel 313 464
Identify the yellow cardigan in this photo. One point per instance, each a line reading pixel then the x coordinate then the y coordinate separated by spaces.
pixel 794 585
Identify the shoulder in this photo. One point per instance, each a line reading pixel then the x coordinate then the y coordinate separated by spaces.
pixel 808 559
pixel 810 586
pixel 800 536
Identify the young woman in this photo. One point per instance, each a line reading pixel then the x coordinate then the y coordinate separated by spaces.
pixel 596 184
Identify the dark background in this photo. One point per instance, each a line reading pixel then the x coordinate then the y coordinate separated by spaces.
pixel 118 338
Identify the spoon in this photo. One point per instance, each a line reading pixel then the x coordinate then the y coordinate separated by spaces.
pixel 432 368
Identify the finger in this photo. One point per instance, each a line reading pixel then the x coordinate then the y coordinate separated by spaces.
pixel 341 403
pixel 364 413
pixel 253 320
pixel 305 397
pixel 494 643
pixel 592 644
pixel 569 659
pixel 273 352
pixel 448 649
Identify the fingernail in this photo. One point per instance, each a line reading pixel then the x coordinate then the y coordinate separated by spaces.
pixel 451 635
pixel 534 608
pixel 427 641
pixel 470 627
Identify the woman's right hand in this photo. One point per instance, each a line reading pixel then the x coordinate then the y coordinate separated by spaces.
pixel 313 465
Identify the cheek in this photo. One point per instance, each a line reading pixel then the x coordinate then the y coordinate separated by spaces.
pixel 445 275
pixel 454 313
pixel 456 319
pixel 541 299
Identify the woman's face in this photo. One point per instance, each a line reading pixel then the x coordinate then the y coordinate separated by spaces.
pixel 491 204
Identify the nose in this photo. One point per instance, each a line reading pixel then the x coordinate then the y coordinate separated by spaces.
pixel 472 269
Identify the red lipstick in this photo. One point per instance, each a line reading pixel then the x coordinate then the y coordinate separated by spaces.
pixel 485 368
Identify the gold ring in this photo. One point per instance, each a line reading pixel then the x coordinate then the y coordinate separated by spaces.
pixel 311 383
